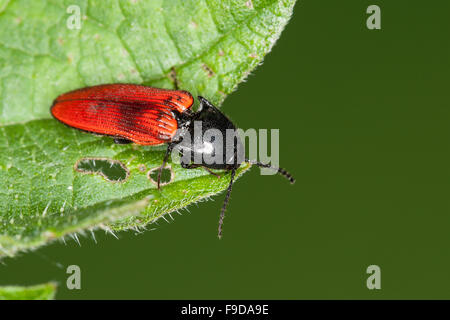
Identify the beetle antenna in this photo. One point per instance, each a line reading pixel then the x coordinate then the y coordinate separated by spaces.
pixel 225 203
pixel 281 171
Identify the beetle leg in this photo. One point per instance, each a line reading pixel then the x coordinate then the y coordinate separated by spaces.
pixel 121 141
pixel 190 166
pixel 211 172
pixel 166 156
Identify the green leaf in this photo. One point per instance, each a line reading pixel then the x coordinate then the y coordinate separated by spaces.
pixel 39 292
pixel 203 46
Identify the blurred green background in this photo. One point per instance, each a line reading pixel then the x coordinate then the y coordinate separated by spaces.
pixel 363 118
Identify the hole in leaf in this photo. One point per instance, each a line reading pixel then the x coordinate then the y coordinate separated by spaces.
pixel 167 175
pixel 111 170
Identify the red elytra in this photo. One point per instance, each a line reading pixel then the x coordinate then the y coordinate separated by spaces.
pixel 141 114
